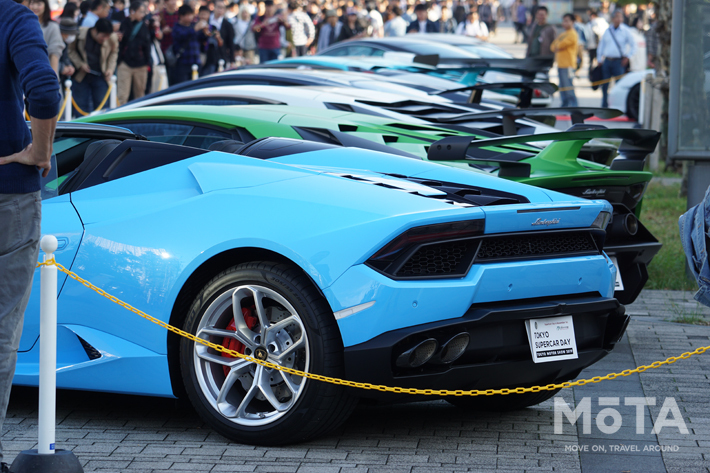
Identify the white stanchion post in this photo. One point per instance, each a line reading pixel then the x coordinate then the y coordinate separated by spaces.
pixel 46 458
pixel 162 73
pixel 195 74
pixel 68 97
pixel 112 101
pixel 220 67
pixel 47 349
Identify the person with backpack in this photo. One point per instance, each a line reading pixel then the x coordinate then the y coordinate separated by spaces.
pixel 615 49
pixel 133 54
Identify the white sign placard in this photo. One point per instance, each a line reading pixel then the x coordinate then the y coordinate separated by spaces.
pixel 618 284
pixel 551 339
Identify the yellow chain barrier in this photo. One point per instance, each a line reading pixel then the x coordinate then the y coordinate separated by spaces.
pixel 596 83
pixel 376 387
pixel 101 105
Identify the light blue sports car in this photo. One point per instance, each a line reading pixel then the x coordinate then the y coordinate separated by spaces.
pixel 338 261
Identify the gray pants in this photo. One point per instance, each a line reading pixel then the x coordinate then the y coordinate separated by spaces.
pixel 20 216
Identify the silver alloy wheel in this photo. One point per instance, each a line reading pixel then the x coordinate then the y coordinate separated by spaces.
pixel 244 392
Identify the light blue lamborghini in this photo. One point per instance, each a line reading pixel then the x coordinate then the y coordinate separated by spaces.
pixel 409 274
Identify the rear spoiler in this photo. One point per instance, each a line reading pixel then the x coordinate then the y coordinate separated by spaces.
pixel 578 114
pixel 525 99
pixel 527 67
pixel 635 146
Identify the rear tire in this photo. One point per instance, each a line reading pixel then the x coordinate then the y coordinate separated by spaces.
pixel 498 402
pixel 280 316
pixel 633 102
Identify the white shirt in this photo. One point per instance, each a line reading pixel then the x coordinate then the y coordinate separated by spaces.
pixel 422 27
pixel 217 23
pixel 607 46
pixel 475 29
pixel 396 27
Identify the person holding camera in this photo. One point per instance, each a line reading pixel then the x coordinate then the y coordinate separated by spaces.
pixel 268 27
pixel 187 37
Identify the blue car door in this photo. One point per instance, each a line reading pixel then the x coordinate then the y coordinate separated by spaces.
pixel 59 218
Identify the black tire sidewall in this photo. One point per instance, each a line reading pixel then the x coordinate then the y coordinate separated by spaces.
pixel 285 429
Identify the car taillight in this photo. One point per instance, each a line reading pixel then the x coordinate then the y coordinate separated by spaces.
pixel 415 237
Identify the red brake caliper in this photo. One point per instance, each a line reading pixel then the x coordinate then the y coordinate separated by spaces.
pixel 232 344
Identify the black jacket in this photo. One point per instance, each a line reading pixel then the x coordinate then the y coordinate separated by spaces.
pixel 134 49
pixel 228 49
pixel 431 27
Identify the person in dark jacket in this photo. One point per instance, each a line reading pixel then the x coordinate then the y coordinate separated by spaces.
pixel 25 72
pixel 69 30
pixel 187 37
pixel 352 28
pixel 422 24
pixel 227 51
pixel 541 34
pixel 133 54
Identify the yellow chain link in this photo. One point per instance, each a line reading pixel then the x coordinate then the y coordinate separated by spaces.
pixel 376 387
pixel 599 82
pixel 101 105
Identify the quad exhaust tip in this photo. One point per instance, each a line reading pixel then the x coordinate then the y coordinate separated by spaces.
pixel 427 350
pixel 418 354
pixel 631 224
pixel 454 348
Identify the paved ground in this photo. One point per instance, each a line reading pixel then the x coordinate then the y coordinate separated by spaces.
pixel 112 433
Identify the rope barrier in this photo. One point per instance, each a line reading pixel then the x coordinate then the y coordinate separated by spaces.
pixel 593 84
pixel 368 386
pixel 101 105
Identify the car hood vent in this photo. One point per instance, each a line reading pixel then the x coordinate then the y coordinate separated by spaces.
pixel 459 195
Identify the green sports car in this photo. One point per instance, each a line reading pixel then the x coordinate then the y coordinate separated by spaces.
pixel 556 167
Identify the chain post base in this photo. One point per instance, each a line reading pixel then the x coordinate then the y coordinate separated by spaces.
pixel 61 461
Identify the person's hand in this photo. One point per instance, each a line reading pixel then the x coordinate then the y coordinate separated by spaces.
pixel 86 68
pixel 68 71
pixel 167 29
pixel 624 61
pixel 107 75
pixel 31 157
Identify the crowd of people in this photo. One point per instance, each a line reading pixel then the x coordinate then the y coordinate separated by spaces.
pixel 142 41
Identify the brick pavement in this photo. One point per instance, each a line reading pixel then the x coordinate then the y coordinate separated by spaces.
pixel 118 433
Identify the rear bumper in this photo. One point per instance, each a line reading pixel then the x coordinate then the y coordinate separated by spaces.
pixel 498 354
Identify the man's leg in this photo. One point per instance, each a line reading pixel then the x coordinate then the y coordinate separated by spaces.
pixel 81 92
pixel 140 79
pixel 99 89
pixel 124 78
pixel 565 83
pixel 19 248
pixel 606 75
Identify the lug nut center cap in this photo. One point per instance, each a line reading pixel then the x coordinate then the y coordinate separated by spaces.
pixel 261 354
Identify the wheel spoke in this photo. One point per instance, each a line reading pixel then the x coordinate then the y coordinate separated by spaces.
pixel 227 409
pixel 253 391
pixel 284 323
pixel 222 333
pixel 264 383
pixel 281 357
pixel 219 359
pixel 260 311
pixel 290 384
pixel 244 334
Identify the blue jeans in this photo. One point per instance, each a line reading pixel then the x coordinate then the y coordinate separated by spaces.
pixel 90 92
pixel 268 55
pixel 567 96
pixel 694 226
pixel 20 215
pixel 610 68
pixel 182 73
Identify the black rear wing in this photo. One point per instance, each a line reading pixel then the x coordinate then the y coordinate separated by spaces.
pixel 524 100
pixel 509 115
pixel 636 144
pixel 528 67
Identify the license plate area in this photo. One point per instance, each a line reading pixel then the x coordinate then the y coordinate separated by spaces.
pixel 551 339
